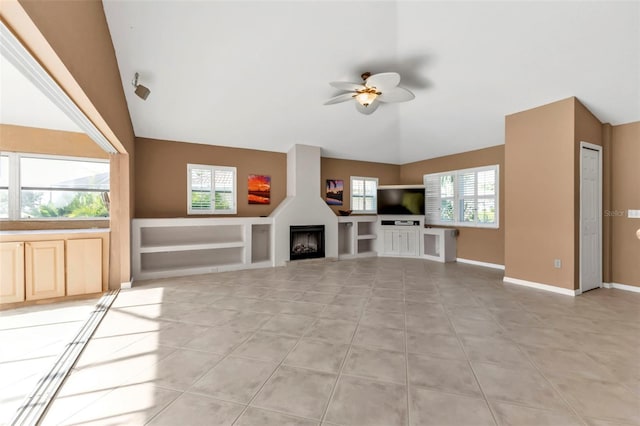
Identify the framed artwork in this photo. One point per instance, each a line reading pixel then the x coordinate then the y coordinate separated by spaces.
pixel 335 189
pixel 259 189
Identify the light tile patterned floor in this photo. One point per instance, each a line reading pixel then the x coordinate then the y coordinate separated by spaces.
pixel 30 340
pixel 363 342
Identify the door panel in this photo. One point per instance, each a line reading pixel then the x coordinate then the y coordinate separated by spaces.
pixel 590 250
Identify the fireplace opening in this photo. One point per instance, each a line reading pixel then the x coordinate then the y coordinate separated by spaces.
pixel 306 242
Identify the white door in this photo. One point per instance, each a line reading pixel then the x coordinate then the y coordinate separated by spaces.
pixel 590 219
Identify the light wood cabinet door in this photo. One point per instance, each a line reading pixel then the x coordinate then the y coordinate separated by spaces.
pixel 44 269
pixel 11 272
pixel 84 266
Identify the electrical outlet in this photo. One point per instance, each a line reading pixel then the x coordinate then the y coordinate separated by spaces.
pixel 557 263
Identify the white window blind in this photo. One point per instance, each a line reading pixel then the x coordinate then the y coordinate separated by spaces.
pixel 211 189
pixel 466 197
pixel 364 192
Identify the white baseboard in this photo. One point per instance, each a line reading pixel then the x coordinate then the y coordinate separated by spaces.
pixel 478 263
pixel 539 286
pixel 126 285
pixel 625 287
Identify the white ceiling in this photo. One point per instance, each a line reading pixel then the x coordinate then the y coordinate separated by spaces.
pixel 23 104
pixel 255 74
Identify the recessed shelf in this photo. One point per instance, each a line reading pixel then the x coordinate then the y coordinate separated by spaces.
pixel 186 246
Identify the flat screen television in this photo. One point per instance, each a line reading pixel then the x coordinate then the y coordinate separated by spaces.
pixel 401 200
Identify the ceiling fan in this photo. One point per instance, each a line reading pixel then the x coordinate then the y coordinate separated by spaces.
pixel 376 88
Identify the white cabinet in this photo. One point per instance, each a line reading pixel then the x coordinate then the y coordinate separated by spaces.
pixel 439 244
pixel 400 241
pixel 188 246
pixel 399 235
pixel 356 236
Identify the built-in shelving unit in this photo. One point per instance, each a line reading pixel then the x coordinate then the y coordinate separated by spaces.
pixel 439 244
pixel 356 236
pixel 187 246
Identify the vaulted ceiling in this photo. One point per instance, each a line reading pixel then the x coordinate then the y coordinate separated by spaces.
pixel 255 74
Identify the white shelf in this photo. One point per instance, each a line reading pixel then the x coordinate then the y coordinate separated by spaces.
pixel 187 246
pixel 356 235
pixel 367 237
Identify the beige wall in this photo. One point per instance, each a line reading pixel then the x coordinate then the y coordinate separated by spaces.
pixel 483 245
pixel 539 194
pixel 625 195
pixel 45 141
pixel 71 40
pixel 333 168
pixel 161 175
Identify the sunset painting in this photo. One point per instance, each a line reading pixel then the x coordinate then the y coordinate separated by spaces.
pixel 259 189
pixel 335 187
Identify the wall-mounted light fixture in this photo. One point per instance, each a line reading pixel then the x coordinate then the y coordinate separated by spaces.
pixel 141 91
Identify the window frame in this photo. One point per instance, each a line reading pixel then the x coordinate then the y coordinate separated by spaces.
pixel 212 210
pixel 458 198
pixel 15 187
pixel 364 179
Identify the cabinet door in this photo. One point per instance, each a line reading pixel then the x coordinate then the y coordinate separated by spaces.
pixel 409 245
pixel 44 269
pixel 84 266
pixel 11 272
pixel 391 242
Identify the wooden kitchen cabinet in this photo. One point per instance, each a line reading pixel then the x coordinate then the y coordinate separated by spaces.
pixel 84 266
pixel 11 272
pixel 44 269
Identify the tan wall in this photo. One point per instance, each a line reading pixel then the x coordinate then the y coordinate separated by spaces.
pixel 333 168
pixel 161 175
pixel 46 141
pixel 483 245
pixel 71 40
pixel 539 194
pixel 625 195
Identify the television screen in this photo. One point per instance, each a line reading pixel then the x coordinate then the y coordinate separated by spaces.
pixel 401 201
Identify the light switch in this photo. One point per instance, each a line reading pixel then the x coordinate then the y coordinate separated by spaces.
pixel 635 214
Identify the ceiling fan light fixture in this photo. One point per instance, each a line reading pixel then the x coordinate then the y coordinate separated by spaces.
pixel 375 89
pixel 366 97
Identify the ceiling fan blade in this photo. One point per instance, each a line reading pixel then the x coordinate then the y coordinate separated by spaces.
pixel 384 81
pixel 340 98
pixel 367 109
pixel 397 94
pixel 345 85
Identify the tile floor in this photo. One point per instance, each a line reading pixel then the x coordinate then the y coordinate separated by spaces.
pixel 30 340
pixel 365 342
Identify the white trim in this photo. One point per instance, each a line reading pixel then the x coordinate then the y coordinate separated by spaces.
pixel 539 286
pixel 19 56
pixel 457 197
pixel 478 263
pixel 598 148
pixel 364 180
pixel 213 169
pixel 624 287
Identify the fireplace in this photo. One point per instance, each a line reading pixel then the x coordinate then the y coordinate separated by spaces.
pixel 306 242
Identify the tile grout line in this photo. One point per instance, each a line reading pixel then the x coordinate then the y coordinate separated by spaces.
pixel 475 375
pixel 279 364
pixel 346 356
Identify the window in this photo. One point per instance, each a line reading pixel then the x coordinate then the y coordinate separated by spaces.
pixel 211 190
pixel 364 194
pixel 466 197
pixel 52 187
